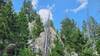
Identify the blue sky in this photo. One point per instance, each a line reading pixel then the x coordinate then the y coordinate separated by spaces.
pixel 62 5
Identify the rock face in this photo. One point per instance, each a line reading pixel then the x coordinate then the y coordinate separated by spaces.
pixel 40 41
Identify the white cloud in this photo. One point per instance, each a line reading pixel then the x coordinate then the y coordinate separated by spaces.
pixel 34 3
pixel 51 7
pixel 45 14
pixel 83 4
pixel 67 10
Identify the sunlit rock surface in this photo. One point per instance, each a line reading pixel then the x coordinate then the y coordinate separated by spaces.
pixel 38 45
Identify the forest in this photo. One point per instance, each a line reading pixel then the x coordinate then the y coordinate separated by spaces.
pixel 24 34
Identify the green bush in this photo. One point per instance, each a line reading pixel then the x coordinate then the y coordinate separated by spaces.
pixel 26 52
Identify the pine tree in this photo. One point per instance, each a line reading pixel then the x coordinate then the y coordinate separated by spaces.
pixel 30 25
pixel 72 37
pixel 2 26
pixel 38 27
pixel 6 15
pixel 98 38
pixel 90 47
pixel 58 49
pixel 7 26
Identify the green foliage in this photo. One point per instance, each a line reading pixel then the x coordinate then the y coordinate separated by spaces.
pixel 68 25
pixel 74 39
pixel 87 52
pixel 88 49
pixel 14 29
pixel 38 27
pixel 4 21
pixel 58 50
pixel 72 35
pixel 98 46
pixel 26 52
pixel 84 27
